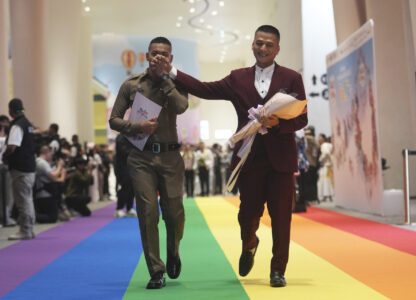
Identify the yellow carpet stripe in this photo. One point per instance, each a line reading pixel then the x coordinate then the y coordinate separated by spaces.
pixel 308 275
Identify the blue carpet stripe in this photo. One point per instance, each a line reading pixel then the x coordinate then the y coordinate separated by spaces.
pixel 100 267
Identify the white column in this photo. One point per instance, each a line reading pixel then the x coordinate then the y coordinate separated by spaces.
pixel 349 16
pixel 27 21
pixel 4 63
pixel 85 101
pixel 63 57
pixel 395 81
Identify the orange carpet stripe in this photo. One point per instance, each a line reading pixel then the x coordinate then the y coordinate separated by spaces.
pixel 386 270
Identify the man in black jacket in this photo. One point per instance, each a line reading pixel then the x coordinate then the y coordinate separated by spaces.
pixel 20 156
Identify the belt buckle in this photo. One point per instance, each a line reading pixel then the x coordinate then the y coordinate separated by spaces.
pixel 156 147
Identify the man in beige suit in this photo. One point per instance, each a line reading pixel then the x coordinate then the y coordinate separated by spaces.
pixel 159 167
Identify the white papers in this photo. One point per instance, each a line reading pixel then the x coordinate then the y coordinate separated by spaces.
pixel 141 110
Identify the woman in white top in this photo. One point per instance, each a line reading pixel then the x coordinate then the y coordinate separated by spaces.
pixel 326 178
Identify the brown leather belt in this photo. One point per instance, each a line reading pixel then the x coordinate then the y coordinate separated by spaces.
pixel 161 147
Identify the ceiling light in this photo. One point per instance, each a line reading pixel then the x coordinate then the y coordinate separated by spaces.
pixel 201 20
pixel 209 26
pixel 87 8
pixel 192 10
pixel 178 24
pixel 83 1
pixel 247 37
pixel 197 30
pixel 191 1
pixel 222 33
pixel 180 18
pixel 221 3
pixel 214 13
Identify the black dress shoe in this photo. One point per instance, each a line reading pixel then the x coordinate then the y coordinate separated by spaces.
pixel 247 260
pixel 156 282
pixel 277 279
pixel 173 266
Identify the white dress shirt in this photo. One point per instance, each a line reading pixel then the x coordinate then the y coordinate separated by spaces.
pixel 262 79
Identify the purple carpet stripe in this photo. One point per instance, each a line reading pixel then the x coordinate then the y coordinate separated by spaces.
pixel 22 260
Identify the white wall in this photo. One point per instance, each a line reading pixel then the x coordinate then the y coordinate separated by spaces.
pixel 4 63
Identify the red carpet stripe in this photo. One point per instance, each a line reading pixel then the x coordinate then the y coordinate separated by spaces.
pixel 391 236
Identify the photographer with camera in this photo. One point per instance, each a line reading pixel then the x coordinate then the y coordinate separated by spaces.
pixel 77 189
pixel 48 186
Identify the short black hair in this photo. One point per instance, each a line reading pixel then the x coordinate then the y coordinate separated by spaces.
pixel 54 126
pixel 16 105
pixel 4 118
pixel 160 40
pixel 269 29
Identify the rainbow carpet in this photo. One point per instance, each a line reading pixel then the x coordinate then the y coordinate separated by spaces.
pixel 332 256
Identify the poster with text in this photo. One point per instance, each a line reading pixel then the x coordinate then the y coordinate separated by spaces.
pixel 353 105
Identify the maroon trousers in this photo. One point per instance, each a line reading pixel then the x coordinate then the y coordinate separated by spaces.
pixel 259 183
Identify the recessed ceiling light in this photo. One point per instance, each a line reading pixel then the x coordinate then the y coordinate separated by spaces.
pixel 191 1
pixel 221 3
pixel 83 1
pixel 180 18
pixel 192 10
pixel 178 24
pixel 209 26
pixel 87 8
pixel 247 37
pixel 197 30
pixel 214 13
pixel 201 20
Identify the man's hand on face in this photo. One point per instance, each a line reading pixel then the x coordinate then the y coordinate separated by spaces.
pixel 164 64
pixel 149 126
pixel 156 67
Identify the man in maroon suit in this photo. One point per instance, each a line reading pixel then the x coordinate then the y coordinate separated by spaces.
pixel 267 175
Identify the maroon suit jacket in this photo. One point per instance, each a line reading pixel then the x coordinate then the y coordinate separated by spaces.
pixel 238 87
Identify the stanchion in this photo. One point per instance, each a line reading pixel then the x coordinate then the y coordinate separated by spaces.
pixel 406 153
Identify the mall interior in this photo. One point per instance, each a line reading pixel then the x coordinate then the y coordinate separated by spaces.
pixel 353 237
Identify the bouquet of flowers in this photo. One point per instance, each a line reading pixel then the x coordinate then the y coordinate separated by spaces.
pixel 282 105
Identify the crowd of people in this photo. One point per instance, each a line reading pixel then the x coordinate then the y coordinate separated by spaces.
pixel 69 175
pixel 207 169
pixel 60 178
pixel 44 177
pixel 315 180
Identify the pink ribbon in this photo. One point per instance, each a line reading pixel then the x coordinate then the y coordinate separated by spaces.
pixel 253 114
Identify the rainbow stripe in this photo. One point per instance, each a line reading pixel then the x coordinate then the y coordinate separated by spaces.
pixel 332 256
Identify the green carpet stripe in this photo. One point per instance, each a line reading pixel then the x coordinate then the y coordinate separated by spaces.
pixel 206 272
